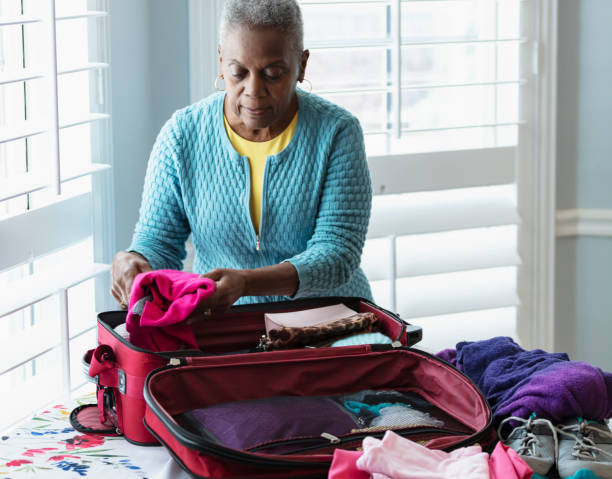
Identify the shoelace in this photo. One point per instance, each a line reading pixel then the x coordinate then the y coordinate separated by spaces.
pixel 530 440
pixel 585 447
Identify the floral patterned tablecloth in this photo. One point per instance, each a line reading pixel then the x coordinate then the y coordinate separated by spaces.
pixel 46 445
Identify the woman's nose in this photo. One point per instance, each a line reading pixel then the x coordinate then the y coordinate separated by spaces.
pixel 255 86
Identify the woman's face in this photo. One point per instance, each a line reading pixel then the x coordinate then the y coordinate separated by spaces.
pixel 260 70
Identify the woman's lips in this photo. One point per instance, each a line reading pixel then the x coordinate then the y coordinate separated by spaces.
pixel 255 111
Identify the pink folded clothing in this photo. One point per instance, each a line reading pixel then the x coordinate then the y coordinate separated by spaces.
pixel 399 458
pixel 505 463
pixel 160 303
pixel 344 466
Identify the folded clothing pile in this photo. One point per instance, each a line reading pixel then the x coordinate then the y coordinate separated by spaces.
pixel 539 400
pixel 518 383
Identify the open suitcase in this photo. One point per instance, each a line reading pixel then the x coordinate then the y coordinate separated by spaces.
pixel 245 446
pixel 226 373
pixel 119 368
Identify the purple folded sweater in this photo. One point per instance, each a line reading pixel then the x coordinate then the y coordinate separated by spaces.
pixel 518 382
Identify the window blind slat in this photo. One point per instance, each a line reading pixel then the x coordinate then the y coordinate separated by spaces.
pixel 28 74
pixel 43 230
pixel 19 20
pixel 33 342
pixel 19 76
pixel 37 287
pixel 30 182
pixel 14 362
pixel 449 293
pixel 80 68
pixel 464 127
pixel 423 86
pixel 21 130
pixel 430 212
pixel 88 14
pixel 359 43
pixel 80 121
pixel 445 331
pixel 447 252
pixel 406 173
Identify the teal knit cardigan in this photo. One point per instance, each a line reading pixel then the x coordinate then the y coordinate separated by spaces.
pixel 316 199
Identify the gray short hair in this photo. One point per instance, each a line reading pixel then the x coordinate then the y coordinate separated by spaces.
pixel 284 15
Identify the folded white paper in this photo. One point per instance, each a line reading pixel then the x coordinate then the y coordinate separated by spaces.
pixel 307 317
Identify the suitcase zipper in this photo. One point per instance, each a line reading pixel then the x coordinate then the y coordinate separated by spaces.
pixel 330 439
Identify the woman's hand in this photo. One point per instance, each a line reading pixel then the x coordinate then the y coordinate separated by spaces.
pixel 276 280
pixel 126 265
pixel 231 285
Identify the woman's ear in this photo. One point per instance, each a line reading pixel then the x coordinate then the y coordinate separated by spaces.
pixel 303 62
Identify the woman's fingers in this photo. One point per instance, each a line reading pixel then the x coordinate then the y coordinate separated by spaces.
pixel 116 293
pixel 124 269
pixel 215 274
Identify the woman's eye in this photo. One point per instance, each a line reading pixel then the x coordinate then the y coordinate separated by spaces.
pixel 273 74
pixel 238 73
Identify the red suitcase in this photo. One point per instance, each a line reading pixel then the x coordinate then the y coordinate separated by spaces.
pixel 194 406
pixel 119 369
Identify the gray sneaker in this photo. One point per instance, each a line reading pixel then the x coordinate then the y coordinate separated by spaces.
pixel 534 440
pixel 585 445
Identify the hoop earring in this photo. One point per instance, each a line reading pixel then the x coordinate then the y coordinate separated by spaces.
pixel 309 85
pixel 217 83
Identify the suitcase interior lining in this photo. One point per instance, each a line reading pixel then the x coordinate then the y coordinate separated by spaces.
pixel 243 330
pixel 258 427
pixel 190 387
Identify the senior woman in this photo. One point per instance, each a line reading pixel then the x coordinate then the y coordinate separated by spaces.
pixel 271 182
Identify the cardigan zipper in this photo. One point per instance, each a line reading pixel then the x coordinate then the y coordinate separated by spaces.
pixel 248 202
pixel 257 234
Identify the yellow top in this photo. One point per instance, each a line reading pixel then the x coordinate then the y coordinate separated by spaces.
pixel 257 153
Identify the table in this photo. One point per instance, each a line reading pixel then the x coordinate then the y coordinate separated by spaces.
pixel 47 446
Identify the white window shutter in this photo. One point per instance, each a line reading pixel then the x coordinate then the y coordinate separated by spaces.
pixel 436 87
pixel 53 119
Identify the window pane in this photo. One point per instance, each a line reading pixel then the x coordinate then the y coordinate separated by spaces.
pixel 11 58
pixel 12 103
pixel 448 20
pixel 508 19
pixel 29 387
pixel 369 108
pixel 75 147
pixel 81 307
pixel 377 143
pixel 78 347
pixel 70 257
pixel 459 63
pixel 72 43
pixel 73 96
pixel 458 106
pixel 12 163
pixel 337 22
pixel 70 7
pixel 347 68
pixel 445 140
